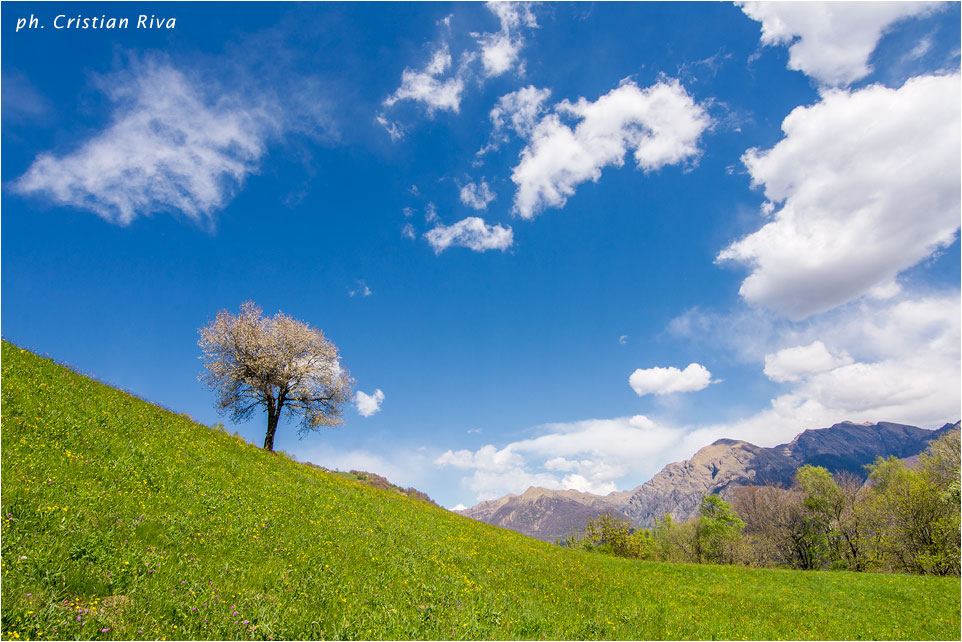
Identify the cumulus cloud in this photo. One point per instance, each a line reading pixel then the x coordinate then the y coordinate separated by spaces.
pixel 792 364
pixel 169 147
pixel 863 185
pixel 661 124
pixel 831 41
pixel 439 86
pixel 906 369
pixel 368 404
pixel 664 381
pixel 471 232
pixel 519 110
pixel 429 86
pixel 500 52
pixel 477 196
pixel 876 360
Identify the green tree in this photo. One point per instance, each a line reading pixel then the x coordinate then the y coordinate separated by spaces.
pixel 919 509
pixel 718 530
pixel 823 503
pixel 615 536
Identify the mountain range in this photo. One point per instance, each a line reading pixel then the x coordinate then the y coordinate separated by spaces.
pixel 719 468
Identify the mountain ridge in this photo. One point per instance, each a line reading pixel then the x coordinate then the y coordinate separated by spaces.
pixel 718 468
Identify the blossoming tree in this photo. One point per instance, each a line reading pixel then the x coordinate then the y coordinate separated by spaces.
pixel 276 363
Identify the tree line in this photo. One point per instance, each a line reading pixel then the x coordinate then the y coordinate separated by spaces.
pixel 901 519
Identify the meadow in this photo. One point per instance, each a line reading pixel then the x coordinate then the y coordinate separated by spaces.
pixel 122 520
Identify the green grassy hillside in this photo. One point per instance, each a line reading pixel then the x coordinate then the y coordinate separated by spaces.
pixel 122 520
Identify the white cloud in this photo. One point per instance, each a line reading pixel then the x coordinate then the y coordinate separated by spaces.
pixel 408 231
pixel 439 87
pixel 623 339
pixel 792 364
pixel 831 41
pixel 895 360
pixel 589 456
pixel 394 130
pixel 661 124
pixel 368 404
pixel 519 110
pixel 168 147
pixel 919 50
pixel 663 381
pixel 458 507
pixel 477 196
pixel 472 233
pixel 500 51
pixel 430 213
pixel 361 289
pixel 868 183
pixel 427 85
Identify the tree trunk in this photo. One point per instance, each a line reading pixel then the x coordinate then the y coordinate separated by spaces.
pixel 272 419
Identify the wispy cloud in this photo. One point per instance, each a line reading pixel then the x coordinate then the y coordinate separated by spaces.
pixel 169 147
pixel 360 289
pixel 394 130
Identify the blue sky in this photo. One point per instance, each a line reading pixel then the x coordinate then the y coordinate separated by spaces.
pixel 568 243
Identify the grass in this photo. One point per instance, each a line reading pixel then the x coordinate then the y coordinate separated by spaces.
pixel 121 520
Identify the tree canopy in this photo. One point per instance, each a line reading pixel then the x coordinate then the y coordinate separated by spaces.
pixel 276 363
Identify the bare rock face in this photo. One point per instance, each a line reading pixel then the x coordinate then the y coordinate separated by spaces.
pixel 544 514
pixel 726 464
pixel 719 468
pixel 715 469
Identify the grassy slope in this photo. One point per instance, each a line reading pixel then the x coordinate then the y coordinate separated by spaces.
pixel 122 520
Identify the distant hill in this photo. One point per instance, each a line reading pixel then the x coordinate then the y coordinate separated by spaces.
pixel 377 481
pixel 544 514
pixel 715 469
